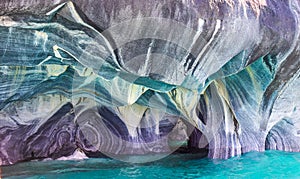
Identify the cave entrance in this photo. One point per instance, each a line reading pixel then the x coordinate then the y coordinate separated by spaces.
pixel 197 142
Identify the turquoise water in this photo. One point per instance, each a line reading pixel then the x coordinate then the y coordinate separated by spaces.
pixel 269 164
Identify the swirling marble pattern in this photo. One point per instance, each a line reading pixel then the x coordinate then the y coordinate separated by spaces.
pixel 128 77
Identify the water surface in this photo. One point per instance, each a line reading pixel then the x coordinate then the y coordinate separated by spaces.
pixel 269 164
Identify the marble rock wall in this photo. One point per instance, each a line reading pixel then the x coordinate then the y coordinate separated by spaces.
pixel 126 77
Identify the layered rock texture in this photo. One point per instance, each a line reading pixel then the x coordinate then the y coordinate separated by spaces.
pixel 127 77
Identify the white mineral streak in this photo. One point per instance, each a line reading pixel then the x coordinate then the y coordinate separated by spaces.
pixel 143 70
pixel 198 72
pixel 196 37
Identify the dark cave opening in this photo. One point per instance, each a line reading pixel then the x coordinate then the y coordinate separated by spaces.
pixel 197 142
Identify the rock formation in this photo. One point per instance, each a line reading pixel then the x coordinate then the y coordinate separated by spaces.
pixel 126 77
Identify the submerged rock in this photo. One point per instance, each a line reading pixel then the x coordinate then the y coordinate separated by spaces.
pixel 119 78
